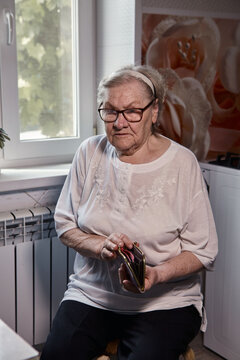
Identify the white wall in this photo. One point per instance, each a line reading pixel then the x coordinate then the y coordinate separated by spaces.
pixel 115 34
pixel 115 37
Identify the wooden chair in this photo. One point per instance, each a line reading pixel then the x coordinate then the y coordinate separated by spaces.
pixel 111 352
pixel 188 354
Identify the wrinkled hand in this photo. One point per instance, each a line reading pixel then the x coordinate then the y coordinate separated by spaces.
pixel 111 244
pixel 127 283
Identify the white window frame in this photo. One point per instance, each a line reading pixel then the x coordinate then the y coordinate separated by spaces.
pixel 19 153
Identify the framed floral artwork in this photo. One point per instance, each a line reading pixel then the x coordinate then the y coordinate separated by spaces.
pixel 199 57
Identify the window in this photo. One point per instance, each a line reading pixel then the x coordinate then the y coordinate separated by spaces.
pixel 47 72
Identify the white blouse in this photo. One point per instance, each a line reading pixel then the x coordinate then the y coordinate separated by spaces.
pixel 163 205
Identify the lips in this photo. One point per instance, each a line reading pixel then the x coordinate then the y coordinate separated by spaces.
pixel 121 134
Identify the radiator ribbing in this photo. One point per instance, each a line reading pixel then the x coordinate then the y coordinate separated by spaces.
pixel 34 269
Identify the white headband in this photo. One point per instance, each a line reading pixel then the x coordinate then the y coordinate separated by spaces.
pixel 141 76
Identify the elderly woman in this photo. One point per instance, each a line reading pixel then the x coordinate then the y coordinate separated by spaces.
pixel 132 185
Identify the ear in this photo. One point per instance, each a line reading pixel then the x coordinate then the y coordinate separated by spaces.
pixel 155 111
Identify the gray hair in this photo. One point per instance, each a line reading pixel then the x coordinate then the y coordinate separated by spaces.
pixel 126 74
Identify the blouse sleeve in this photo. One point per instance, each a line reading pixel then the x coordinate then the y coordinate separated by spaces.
pixel 199 233
pixel 68 202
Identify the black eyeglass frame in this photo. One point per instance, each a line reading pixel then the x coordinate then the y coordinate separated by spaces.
pixel 123 111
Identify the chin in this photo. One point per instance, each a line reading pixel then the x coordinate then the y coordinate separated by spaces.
pixel 125 150
pixel 123 144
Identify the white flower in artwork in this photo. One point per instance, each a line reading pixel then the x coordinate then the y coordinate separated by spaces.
pixel 189 46
pixel 186 113
pixel 224 96
pixel 230 65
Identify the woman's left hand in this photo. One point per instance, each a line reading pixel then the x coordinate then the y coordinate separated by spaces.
pixel 129 286
pixel 181 265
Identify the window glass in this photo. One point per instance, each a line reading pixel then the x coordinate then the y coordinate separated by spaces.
pixel 47 79
pixel 44 34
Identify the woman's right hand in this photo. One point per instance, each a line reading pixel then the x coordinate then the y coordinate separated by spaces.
pixel 95 246
pixel 111 244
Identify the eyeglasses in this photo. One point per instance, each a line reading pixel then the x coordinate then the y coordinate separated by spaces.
pixel 131 115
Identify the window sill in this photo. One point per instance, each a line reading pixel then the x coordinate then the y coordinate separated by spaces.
pixel 33 177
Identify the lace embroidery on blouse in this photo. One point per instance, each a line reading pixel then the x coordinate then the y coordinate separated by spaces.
pixel 103 194
pixel 151 196
pixel 147 196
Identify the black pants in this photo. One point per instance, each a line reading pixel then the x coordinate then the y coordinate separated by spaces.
pixel 80 332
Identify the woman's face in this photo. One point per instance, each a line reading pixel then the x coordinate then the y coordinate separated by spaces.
pixel 127 137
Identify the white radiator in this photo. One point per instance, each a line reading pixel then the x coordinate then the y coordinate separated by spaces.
pixel 34 269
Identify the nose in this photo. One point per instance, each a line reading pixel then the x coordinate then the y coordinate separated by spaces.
pixel 121 122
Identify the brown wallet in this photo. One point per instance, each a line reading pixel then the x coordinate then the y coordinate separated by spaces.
pixel 134 259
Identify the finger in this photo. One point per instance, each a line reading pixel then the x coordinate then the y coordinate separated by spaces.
pixel 124 280
pixel 121 240
pixel 110 245
pixel 122 273
pixel 127 242
pixel 128 285
pixel 107 254
pixel 116 240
